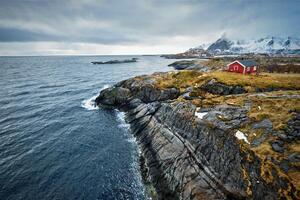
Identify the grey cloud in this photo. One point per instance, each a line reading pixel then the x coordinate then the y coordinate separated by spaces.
pixel 143 22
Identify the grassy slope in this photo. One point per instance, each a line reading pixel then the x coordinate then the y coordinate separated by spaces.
pixel 278 110
pixel 184 79
pixel 267 64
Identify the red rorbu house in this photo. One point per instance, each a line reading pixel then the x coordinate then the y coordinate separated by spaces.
pixel 243 66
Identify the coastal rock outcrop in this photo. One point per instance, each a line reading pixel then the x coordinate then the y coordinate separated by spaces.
pixel 187 157
pixel 214 87
pixel 143 89
pixel 132 60
pixel 189 65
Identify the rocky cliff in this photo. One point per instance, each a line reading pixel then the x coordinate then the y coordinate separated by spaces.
pixel 192 151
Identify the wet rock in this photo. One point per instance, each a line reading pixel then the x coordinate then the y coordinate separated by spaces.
pixel 113 96
pixel 135 88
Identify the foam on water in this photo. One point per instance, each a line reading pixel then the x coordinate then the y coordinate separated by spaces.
pixel 90 104
pixel 121 119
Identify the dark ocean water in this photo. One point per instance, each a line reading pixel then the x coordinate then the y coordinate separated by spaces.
pixel 53 143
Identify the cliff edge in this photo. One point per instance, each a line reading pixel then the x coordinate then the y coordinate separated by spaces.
pixel 213 135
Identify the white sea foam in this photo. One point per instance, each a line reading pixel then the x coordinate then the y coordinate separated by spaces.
pixel 121 119
pixel 90 104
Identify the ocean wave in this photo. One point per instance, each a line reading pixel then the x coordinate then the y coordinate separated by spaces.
pixel 90 103
pixel 121 119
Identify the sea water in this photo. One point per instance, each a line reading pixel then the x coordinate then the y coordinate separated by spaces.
pixel 54 142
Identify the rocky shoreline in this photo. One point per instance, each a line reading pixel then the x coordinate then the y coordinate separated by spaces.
pixel 190 157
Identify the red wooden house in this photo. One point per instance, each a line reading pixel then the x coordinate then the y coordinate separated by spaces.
pixel 243 66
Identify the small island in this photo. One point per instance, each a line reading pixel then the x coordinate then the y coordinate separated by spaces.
pixel 132 60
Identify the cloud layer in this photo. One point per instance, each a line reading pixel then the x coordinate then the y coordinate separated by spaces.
pixel 157 26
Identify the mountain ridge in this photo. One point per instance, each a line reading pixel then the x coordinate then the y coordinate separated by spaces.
pixel 268 45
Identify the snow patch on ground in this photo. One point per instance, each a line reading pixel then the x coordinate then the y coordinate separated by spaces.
pixel 241 136
pixel 200 115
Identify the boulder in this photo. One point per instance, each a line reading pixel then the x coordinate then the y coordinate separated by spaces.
pixel 114 96
pixel 214 87
pixel 277 146
pixel 264 124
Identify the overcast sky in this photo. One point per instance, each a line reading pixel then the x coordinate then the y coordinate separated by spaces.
pixel 43 27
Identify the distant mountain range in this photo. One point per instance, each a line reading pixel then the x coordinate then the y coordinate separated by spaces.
pixel 225 46
pixel 268 45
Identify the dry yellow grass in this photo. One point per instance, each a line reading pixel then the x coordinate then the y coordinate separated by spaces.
pixel 279 111
pixel 276 106
pixel 187 78
pixel 286 81
pixel 181 80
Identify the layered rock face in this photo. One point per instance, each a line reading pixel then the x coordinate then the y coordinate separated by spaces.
pixel 188 157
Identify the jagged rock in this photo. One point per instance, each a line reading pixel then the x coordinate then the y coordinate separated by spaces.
pixel 144 89
pixel 293 128
pixel 189 158
pixel 215 87
pixel 113 96
pixel 226 117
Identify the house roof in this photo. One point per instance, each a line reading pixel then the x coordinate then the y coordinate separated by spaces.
pixel 248 63
pixel 245 63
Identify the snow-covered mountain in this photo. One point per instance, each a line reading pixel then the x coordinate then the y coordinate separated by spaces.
pixel 269 45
